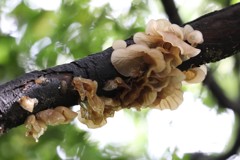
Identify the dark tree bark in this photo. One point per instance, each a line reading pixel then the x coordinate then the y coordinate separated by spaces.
pixel 221 34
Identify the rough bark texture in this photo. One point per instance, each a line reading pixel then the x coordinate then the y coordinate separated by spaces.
pixel 56 89
pixel 221 33
pixel 222 39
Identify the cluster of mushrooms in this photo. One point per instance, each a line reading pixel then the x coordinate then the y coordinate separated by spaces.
pixel 153 79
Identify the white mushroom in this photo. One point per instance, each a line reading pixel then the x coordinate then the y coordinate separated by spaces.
pixel 186 30
pixel 119 44
pixel 195 37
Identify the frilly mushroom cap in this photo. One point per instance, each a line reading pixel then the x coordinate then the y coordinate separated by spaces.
pixel 177 96
pixel 118 82
pixel 35 128
pixel 170 39
pixel 68 114
pixel 51 117
pixel 154 26
pixel 171 101
pixel 195 37
pixel 90 118
pixel 186 30
pixel 185 48
pixel 119 44
pixel 178 75
pixel 28 103
pixel 151 41
pixel 196 75
pixel 155 59
pixel 90 123
pixel 148 96
pixel 92 111
pixel 177 30
pixel 129 61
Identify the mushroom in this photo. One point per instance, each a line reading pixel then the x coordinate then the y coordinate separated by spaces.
pixel 196 75
pixel 119 44
pixel 186 30
pixel 51 117
pixel 129 62
pixel 195 37
pixel 114 84
pixel 68 114
pixel 28 103
pixel 154 26
pixel 37 125
pixel 185 48
pixel 90 123
pixel 148 96
pixel 35 128
pixel 93 110
pixel 177 30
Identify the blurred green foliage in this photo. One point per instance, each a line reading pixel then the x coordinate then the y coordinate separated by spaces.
pixel 44 38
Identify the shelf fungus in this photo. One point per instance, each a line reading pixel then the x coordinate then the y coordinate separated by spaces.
pixel 151 64
pixel 37 125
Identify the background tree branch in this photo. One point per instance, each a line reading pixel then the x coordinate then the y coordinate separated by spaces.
pixel 172 11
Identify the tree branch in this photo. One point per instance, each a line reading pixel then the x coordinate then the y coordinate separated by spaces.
pixel 223 101
pixel 221 36
pixel 220 96
pixel 56 87
pixel 171 10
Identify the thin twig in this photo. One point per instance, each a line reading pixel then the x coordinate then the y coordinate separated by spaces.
pixel 219 94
